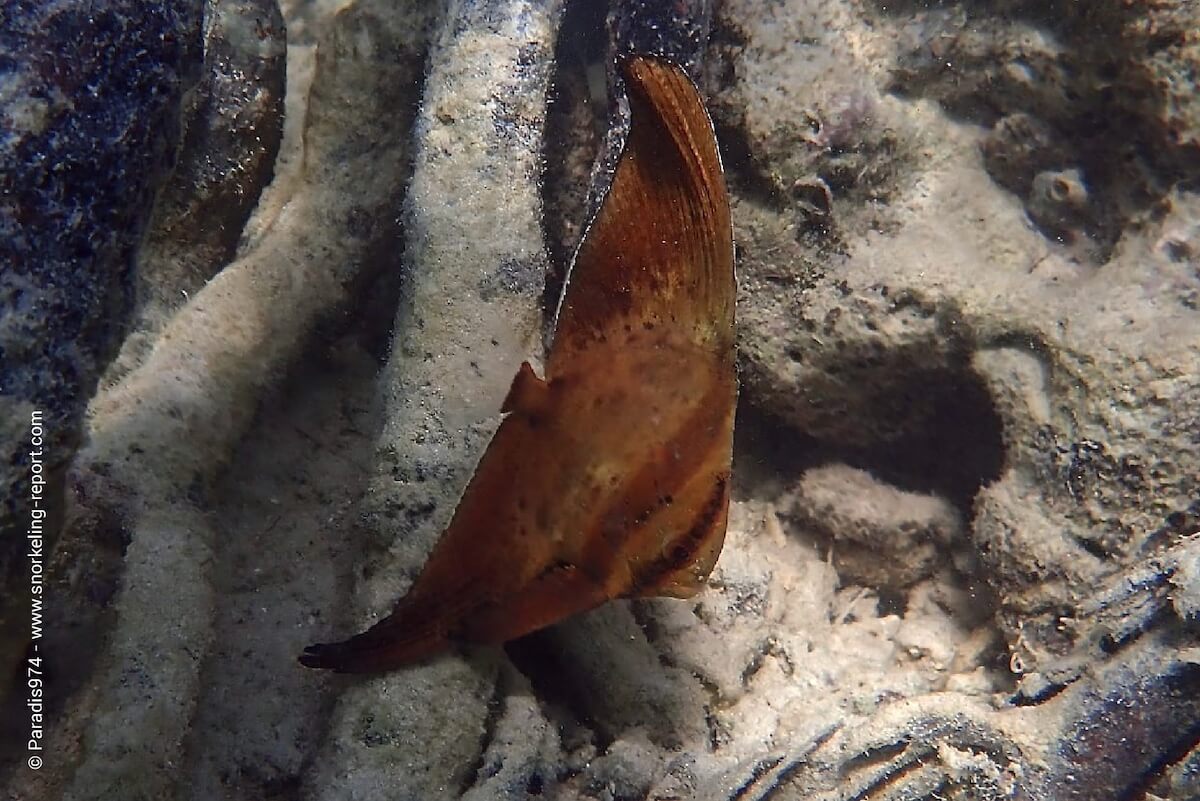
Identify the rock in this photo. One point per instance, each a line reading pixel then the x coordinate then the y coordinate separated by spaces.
pixel 469 314
pixel 523 753
pixel 233 122
pixel 1186 586
pixel 877 535
pixel 1147 688
pixel 939 341
pixel 678 32
pixel 907 342
pixel 1101 84
pixel 90 100
pixel 625 771
pixel 201 384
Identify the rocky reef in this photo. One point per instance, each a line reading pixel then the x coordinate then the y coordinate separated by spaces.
pixel 314 241
pixel 90 104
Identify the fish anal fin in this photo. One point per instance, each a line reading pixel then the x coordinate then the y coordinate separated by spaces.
pixel 558 592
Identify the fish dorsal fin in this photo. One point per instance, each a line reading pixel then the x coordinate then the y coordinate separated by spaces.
pixel 660 249
pixel 527 393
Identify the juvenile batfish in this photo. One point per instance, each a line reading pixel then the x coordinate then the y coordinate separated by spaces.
pixel 608 478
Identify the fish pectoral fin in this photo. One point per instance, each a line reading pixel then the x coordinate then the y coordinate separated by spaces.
pixel 528 393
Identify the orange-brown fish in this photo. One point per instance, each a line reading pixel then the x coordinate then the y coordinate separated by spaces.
pixel 608 478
